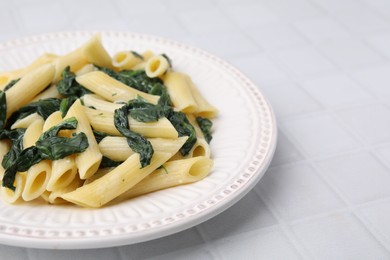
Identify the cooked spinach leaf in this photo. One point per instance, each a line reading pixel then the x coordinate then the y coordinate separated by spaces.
pixel 3 109
pixel 136 142
pixel 49 146
pixel 11 84
pixel 184 128
pixel 137 79
pixel 99 135
pixel 168 59
pixel 44 107
pixel 66 103
pixel 142 111
pixel 107 162
pixel 24 161
pixel 16 136
pixel 68 85
pixel 136 54
pixel 55 147
pixel 205 125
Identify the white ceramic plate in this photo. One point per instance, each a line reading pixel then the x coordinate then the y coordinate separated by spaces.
pixel 242 147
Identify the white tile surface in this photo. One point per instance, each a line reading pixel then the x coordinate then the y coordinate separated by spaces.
pixel 270 244
pixel 305 61
pixel 297 191
pixel 249 214
pixel 286 152
pixel 348 53
pixel 289 99
pixel 336 91
pixel 257 65
pixel 251 15
pixel 276 36
pixel 325 67
pixel 362 119
pixel 311 131
pixel 349 175
pixel 339 236
pixel 322 30
pixel 374 79
pixel 204 21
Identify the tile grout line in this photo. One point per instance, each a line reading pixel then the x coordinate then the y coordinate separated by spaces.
pixel 208 243
pixel 300 248
pixel 349 206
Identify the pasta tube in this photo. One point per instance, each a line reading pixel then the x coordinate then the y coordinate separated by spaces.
pixel 50 92
pixel 11 196
pixel 204 108
pixel 180 92
pixel 173 173
pixel 88 161
pixel 25 122
pixel 96 53
pixel 111 89
pixel 91 100
pixel 39 174
pixel 6 77
pixel 125 60
pixel 33 83
pixel 116 182
pixel 117 149
pixel 104 122
pixel 156 66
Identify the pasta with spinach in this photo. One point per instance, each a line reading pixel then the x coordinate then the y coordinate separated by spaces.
pixel 90 129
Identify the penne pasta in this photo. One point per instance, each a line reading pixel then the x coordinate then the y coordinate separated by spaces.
pixel 75 60
pixel 111 89
pixel 54 119
pixel 4 148
pixel 116 182
pixel 125 60
pixel 88 161
pixel 104 122
pixel 25 122
pixel 55 196
pixel 37 178
pixel 204 108
pixel 33 83
pixel 33 132
pixel 96 53
pixel 50 92
pixel 117 149
pixel 39 174
pixel 172 174
pixel 157 66
pixel 92 100
pixel 63 173
pixel 7 77
pixel 11 196
pixel 85 69
pixel 180 92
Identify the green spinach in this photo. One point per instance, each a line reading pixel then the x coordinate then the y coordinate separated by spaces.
pixel 49 146
pixel 66 103
pixel 184 128
pixel 205 125
pixel 3 109
pixel 136 142
pixel 107 162
pixel 11 84
pixel 44 107
pixel 68 85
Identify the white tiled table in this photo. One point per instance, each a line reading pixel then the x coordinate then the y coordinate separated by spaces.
pixel 324 65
